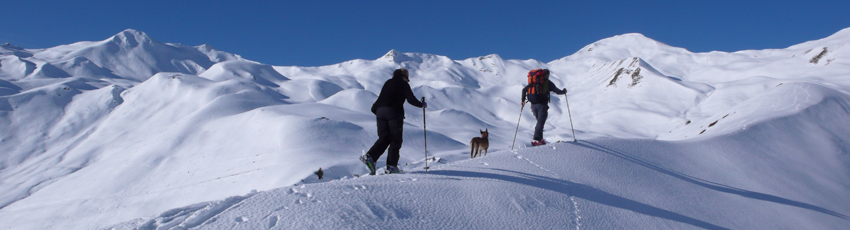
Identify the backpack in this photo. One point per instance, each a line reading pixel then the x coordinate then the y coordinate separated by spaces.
pixel 538 80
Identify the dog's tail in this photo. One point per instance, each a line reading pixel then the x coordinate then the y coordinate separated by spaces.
pixel 472 150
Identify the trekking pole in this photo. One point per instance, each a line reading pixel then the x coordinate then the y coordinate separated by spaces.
pixel 425 135
pixel 517 126
pixel 571 116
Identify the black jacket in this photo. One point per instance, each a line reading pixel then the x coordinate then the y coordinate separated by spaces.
pixel 541 99
pixel 393 95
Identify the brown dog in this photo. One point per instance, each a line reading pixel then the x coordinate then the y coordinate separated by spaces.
pixel 480 143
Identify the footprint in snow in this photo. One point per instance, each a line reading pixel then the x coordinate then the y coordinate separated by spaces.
pixel 273 221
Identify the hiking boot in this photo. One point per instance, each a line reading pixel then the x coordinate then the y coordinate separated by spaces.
pixel 538 143
pixel 366 159
pixel 393 169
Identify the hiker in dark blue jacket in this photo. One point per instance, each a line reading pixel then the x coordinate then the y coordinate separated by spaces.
pixel 537 92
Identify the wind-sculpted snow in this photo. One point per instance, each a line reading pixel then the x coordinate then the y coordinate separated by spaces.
pixel 103 132
pixel 262 74
pixel 7 88
pixel 15 68
pixel 782 99
pixel 352 99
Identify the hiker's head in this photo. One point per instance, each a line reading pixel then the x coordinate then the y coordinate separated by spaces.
pixel 402 73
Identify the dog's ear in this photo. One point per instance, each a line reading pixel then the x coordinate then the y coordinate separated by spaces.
pixel 480 131
pixel 485 130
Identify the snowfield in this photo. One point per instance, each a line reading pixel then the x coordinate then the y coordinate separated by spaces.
pixel 133 133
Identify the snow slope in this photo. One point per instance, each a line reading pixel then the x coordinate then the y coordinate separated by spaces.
pixel 120 131
pixel 597 184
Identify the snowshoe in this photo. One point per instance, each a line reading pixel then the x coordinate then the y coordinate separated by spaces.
pixel 392 170
pixel 366 159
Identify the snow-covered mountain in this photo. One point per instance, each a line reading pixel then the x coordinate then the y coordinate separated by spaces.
pixel 134 133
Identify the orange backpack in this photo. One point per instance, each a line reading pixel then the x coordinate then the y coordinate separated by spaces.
pixel 539 81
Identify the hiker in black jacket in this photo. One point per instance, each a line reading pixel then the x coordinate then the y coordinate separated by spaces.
pixel 539 99
pixel 389 111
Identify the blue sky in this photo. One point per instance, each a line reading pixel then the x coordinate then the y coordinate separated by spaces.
pixel 313 33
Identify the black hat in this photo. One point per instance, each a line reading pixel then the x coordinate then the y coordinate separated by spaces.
pixel 402 73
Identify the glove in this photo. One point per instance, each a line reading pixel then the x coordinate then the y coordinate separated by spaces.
pixel 424 105
pixel 565 90
pixel 522 103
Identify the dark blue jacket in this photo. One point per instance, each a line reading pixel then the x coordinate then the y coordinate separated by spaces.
pixel 543 98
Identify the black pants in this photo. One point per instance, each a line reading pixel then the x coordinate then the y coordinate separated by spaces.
pixel 541 112
pixel 390 130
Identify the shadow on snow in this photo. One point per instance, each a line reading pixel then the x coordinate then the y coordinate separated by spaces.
pixel 581 191
pixel 713 185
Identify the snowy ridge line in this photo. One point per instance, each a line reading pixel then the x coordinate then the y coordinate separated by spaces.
pixel 713 185
pixel 576 216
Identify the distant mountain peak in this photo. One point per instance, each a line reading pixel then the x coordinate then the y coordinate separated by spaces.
pixel 628 40
pixel 396 56
pixel 624 46
pixel 401 57
pixel 132 33
pixel 629 36
pixel 9 46
pixel 491 56
pixel 392 54
pixel 131 37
